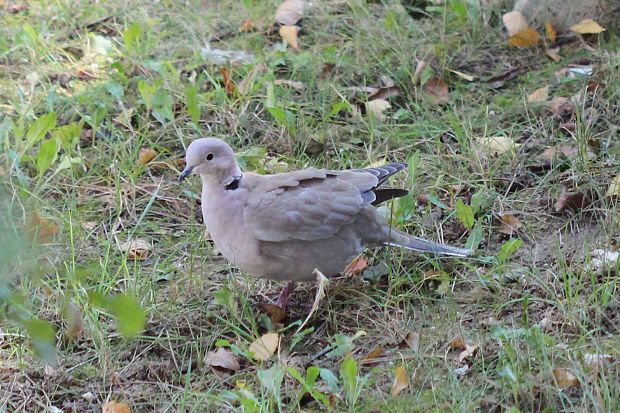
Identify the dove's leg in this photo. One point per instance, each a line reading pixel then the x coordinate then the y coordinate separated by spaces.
pixel 283 296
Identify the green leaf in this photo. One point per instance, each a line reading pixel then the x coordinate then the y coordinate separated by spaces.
pixel 193 105
pixel 331 380
pixel 43 339
pixel 464 213
pixel 115 90
pixel 413 166
pixel 338 106
pixel 68 135
pixel 162 106
pixel 131 35
pixel 482 200
pixel 130 316
pixel 433 199
pixel 40 127
pixel 474 239
pixel 147 91
pixel 47 155
pixel 271 379
pixel 508 249
pixel 348 374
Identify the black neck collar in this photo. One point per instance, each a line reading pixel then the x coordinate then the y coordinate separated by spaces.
pixel 234 184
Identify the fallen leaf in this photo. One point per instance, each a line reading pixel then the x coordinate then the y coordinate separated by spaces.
pixel 497 145
pixel 229 85
pixel 554 54
pixel 136 249
pixel 41 229
pixel 85 74
pixel 539 95
pixel 564 378
pixel 247 26
pixel 525 38
pixel 550 32
pixel 571 201
pixel 437 88
pixel 587 26
pixel 376 108
pixel 377 352
pixel 514 22
pixel 276 313
pixel 401 381
pixel 384 93
pixel 457 343
pixel 561 107
pixel 146 156
pixel 223 359
pixel 289 35
pixel 114 407
pixel 468 353
pixel 561 151
pixel 419 69
pixel 411 341
pixel 614 188
pixel 264 347
pixel 509 224
pixel 469 78
pixel 498 81
pixel 290 12
pixel 74 321
pixel 356 266
pixel 295 84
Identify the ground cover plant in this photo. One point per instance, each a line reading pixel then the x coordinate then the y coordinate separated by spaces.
pixel 113 298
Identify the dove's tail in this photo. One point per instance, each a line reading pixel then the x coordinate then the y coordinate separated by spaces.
pixel 401 239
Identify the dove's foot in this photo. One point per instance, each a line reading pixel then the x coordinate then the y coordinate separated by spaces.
pixel 282 300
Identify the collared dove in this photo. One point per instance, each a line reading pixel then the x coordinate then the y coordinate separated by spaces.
pixel 286 225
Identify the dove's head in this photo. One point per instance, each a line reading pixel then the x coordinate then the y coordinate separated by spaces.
pixel 213 160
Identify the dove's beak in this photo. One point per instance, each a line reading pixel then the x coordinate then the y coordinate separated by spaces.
pixel 188 170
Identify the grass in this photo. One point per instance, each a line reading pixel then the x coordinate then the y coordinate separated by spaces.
pixel 119 77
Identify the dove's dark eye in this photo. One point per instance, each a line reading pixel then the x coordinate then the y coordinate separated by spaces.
pixel 209 156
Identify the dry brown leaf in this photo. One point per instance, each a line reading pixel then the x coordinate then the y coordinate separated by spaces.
pixel 550 32
pixel 525 38
pixel 289 35
pixel 411 341
pixel 539 95
pixel 222 359
pixel 295 84
pixel 497 145
pixel 356 266
pixel 561 151
pixel 276 313
pixel 564 378
pixel 377 352
pixel 114 407
pixel 41 229
pixel 561 107
pixel 457 343
pixel 587 26
pixel 146 156
pixel 514 22
pixel 419 69
pixel 438 89
pixel 401 381
pixel 376 108
pixel 509 224
pixel 229 85
pixel 246 84
pixel 384 93
pixel 264 346
pixel 614 188
pixel 17 8
pixel 469 78
pixel 136 249
pixel 571 201
pixel 468 353
pixel 74 321
pixel 290 12
pixel 247 26
pixel 554 54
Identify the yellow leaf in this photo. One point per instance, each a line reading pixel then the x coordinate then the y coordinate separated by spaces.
pixel 113 407
pixel 265 346
pixel 614 187
pixel 401 381
pixel 539 95
pixel 564 378
pixel 377 107
pixel 136 249
pixel 514 22
pixel 550 31
pixel 289 35
pixel 469 78
pixel 146 156
pixel 587 26
pixel 509 224
pixel 497 145
pixel 525 38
